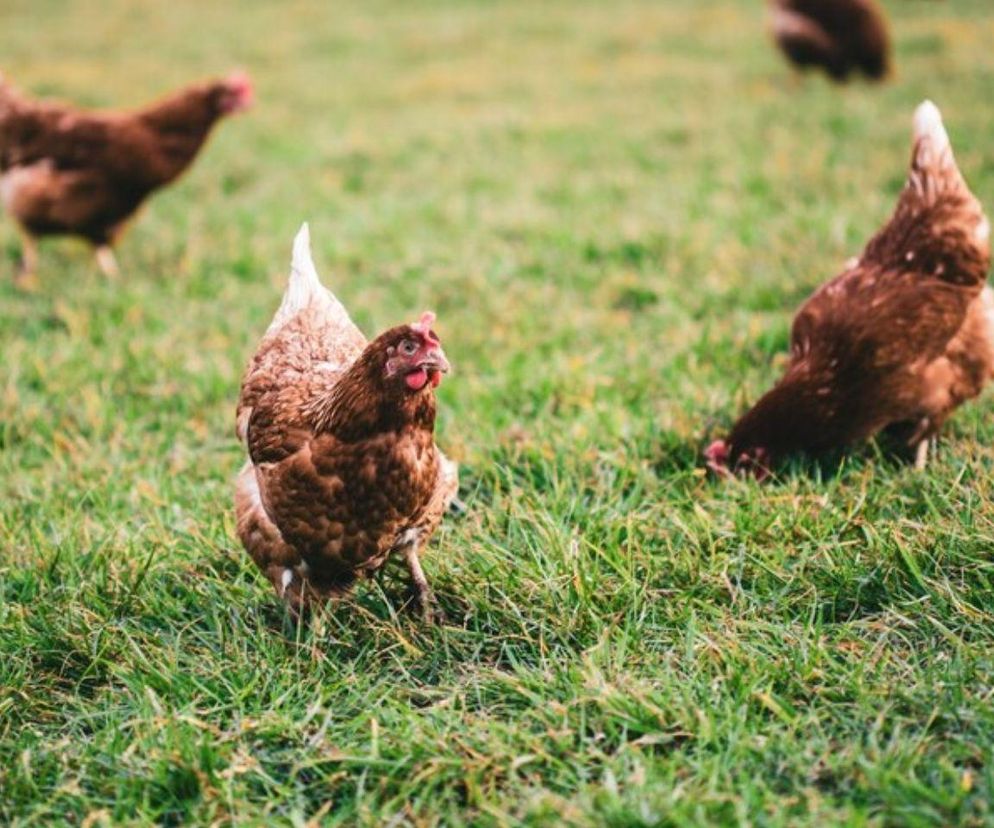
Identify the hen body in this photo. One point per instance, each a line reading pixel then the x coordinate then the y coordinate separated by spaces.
pixel 840 36
pixel 343 472
pixel 68 172
pixel 899 339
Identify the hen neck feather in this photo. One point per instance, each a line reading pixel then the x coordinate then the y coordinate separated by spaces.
pixel 802 412
pixel 360 406
pixel 13 104
pixel 182 122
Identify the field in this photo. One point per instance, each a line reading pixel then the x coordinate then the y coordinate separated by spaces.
pixel 614 210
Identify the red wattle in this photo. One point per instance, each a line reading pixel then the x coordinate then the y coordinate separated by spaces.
pixel 416 379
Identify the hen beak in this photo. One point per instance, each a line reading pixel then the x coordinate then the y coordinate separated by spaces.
pixel 434 360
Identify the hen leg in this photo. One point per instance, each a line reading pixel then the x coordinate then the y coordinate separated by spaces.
pixel 107 261
pixel 431 612
pixel 923 439
pixel 27 271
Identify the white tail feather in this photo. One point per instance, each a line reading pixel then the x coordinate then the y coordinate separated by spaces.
pixel 928 124
pixel 304 287
pixel 932 147
pixel 302 265
pixel 933 165
pixel 934 171
pixel 303 284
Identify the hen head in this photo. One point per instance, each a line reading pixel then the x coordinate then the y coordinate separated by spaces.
pixel 754 461
pixel 410 357
pixel 233 94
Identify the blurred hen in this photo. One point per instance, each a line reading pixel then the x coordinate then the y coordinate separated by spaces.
pixel 343 470
pixel 898 340
pixel 840 36
pixel 64 171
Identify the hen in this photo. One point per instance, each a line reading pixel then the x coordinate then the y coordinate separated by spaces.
pixel 898 340
pixel 343 470
pixel 68 172
pixel 840 36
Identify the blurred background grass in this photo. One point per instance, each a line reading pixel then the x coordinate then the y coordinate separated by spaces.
pixel 614 208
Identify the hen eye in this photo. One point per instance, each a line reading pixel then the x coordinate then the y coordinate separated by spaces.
pixel 408 348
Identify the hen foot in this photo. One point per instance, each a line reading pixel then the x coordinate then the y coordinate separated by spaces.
pixel 922 452
pixel 424 597
pixel 107 262
pixel 26 276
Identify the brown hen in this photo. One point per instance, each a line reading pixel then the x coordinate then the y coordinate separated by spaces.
pixel 68 172
pixel 898 340
pixel 839 36
pixel 343 470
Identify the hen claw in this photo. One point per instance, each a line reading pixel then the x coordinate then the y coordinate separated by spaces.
pixel 428 607
pixel 424 598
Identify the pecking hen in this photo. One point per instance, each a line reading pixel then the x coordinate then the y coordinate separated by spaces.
pixel 840 36
pixel 898 340
pixel 69 172
pixel 343 470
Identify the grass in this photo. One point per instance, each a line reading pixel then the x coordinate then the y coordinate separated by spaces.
pixel 614 209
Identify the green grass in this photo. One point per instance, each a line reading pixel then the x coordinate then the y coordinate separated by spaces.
pixel 614 210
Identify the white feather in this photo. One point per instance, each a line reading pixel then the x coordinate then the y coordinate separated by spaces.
pixel 304 288
pixel 934 169
pixel 983 231
pixel 928 124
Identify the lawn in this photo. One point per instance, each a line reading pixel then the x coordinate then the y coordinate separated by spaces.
pixel 614 209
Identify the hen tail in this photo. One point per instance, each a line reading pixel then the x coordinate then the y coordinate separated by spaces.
pixel 309 343
pixel 304 291
pixel 939 228
pixel 934 174
pixel 801 39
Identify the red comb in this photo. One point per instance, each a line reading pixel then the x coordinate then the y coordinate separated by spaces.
pixel 716 457
pixel 423 325
pixel 240 83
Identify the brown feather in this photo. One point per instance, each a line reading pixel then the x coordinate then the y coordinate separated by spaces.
pixel 839 36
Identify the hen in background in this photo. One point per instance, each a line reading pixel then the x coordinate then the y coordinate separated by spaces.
pixel 899 340
pixel 840 36
pixel 68 172
pixel 343 470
